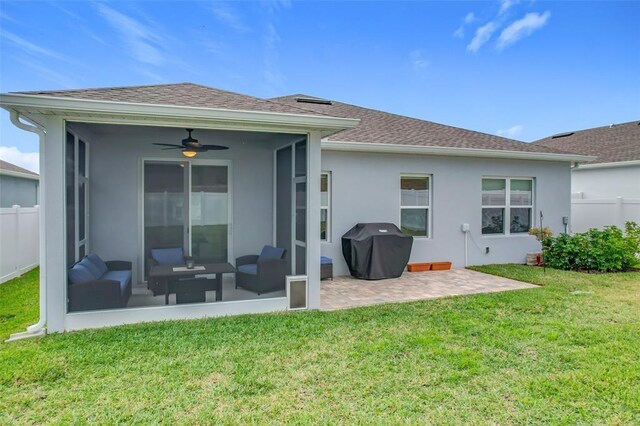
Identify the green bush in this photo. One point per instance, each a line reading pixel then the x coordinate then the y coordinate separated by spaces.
pixel 607 250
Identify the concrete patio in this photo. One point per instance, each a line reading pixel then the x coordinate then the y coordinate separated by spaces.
pixel 348 292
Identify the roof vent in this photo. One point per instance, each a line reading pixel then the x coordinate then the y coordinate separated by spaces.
pixel 561 135
pixel 611 125
pixel 314 101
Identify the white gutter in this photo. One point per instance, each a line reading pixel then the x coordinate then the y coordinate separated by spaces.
pixel 450 151
pixel 608 165
pixel 89 106
pixel 13 173
pixel 37 329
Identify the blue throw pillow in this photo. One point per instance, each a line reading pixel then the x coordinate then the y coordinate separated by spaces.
pixel 93 270
pixel 98 263
pixel 79 274
pixel 270 252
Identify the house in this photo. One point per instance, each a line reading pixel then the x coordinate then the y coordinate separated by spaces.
pixel 605 191
pixel 299 171
pixel 18 186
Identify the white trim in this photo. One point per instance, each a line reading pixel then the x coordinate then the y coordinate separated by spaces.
pixel 450 151
pixel 427 207
pixel 115 317
pixel 327 207
pixel 607 165
pixel 70 106
pixel 5 172
pixel 507 206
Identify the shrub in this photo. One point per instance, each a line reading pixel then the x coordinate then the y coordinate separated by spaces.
pixel 606 250
pixel 546 233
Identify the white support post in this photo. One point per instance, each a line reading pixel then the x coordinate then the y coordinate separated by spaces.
pixel 313 218
pixel 53 223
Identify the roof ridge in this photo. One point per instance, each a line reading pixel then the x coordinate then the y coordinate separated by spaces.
pixel 609 126
pixel 410 118
pixel 110 88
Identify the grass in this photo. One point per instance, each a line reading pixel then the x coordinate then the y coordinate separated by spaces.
pixel 565 353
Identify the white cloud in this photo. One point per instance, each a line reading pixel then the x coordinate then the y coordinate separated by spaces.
pixel 459 33
pixel 522 28
pixel 511 132
pixel 31 48
pixel 483 34
pixel 470 18
pixel 142 42
pixel 26 160
pixel 228 17
pixel 505 5
pixel 418 60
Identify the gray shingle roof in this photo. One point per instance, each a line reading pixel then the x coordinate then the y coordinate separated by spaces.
pixel 386 128
pixel 180 94
pixel 619 142
pixel 13 168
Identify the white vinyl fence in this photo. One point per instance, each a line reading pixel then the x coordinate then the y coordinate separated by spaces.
pixel 586 214
pixel 19 241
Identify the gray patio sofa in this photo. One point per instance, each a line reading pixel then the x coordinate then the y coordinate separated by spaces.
pixel 95 284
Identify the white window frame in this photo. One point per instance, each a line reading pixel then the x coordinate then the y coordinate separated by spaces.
pixel 78 243
pixel 326 207
pixel 423 207
pixel 506 222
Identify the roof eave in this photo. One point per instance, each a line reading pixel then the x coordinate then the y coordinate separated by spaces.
pixel 13 173
pixel 609 165
pixel 74 106
pixel 451 151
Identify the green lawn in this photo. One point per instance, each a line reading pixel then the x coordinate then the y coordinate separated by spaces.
pixel 565 353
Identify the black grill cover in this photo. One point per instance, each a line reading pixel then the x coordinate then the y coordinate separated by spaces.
pixel 375 251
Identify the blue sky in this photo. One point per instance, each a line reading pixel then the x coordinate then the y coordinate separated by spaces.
pixel 523 69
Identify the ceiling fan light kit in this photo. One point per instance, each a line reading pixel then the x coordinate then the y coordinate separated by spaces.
pixel 191 147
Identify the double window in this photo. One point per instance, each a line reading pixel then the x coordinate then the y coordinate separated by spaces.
pixel 325 206
pixel 415 202
pixel 507 205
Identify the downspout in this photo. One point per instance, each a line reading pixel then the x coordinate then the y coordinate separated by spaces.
pixel 38 328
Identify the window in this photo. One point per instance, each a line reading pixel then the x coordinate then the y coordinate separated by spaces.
pixel 415 200
pixel 325 206
pixel 507 199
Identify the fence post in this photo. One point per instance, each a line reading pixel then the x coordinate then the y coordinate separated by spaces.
pixel 16 266
pixel 619 215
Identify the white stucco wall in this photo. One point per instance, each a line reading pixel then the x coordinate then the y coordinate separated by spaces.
pixel 115 187
pixel 606 183
pixel 366 188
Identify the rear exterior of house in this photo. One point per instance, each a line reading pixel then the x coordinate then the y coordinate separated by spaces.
pixel 297 174
pixel 605 191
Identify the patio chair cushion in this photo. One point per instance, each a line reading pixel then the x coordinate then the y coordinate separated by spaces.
pixel 93 270
pixel 324 260
pixel 270 252
pixel 79 274
pixel 249 269
pixel 168 256
pixel 123 277
pixel 98 263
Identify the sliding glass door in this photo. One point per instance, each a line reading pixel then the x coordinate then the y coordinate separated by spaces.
pixel 187 205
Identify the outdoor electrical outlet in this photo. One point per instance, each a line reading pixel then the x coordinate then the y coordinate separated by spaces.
pixel 486 250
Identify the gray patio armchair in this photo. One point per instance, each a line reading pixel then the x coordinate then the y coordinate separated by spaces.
pixel 262 273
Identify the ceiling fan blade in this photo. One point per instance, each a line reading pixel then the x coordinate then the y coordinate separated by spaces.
pixel 176 147
pixel 214 147
pixel 169 144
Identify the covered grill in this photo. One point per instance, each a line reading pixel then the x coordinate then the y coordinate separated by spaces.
pixel 376 251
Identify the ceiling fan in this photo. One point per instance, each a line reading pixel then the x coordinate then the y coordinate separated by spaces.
pixel 191 147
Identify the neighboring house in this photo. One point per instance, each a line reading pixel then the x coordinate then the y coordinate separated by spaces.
pixel 299 172
pixel 605 191
pixel 18 186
